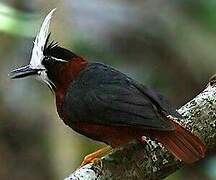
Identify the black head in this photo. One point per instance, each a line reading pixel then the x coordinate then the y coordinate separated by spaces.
pixel 57 52
pixel 46 58
pixel 54 59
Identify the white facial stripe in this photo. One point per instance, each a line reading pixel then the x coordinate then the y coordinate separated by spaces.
pixel 39 43
pixel 57 59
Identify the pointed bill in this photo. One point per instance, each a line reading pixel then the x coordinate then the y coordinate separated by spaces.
pixel 39 43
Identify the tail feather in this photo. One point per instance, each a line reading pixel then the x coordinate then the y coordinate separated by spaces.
pixel 182 144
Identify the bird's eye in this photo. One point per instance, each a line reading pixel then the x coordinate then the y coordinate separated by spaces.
pixel 46 58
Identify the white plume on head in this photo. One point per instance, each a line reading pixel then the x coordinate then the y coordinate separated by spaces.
pixel 39 43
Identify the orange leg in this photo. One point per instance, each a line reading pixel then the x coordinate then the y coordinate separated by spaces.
pixel 95 155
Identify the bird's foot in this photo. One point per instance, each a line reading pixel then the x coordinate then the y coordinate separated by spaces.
pixel 93 157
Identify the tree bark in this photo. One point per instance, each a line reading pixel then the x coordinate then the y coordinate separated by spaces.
pixel 152 160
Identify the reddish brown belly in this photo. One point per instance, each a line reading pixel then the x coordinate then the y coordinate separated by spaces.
pixel 111 135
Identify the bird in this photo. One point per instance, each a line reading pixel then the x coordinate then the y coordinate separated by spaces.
pixel 104 104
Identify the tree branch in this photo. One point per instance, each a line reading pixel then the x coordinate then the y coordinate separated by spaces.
pixel 152 160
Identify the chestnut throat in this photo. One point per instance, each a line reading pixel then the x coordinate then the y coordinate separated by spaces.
pixel 64 75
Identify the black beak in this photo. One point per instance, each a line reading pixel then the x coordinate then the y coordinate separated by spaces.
pixel 23 72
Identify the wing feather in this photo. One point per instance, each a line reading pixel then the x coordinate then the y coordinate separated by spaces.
pixel 103 95
pixel 127 109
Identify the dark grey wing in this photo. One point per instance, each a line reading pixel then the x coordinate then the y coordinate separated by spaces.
pixel 159 100
pixel 124 108
pixel 103 95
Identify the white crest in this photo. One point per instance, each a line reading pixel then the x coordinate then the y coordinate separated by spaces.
pixel 39 43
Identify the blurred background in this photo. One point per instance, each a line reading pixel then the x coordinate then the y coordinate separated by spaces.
pixel 166 44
